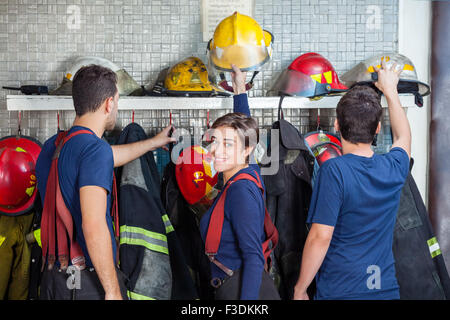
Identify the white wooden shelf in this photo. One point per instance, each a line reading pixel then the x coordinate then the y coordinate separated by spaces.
pixel 49 103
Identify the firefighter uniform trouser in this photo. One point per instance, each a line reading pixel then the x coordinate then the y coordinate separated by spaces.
pixel 15 256
pixel 230 289
pixel 57 284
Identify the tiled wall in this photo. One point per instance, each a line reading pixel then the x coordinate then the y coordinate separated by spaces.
pixel 39 39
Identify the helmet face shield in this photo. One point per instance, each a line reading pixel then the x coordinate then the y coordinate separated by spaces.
pixel 245 57
pixel 295 83
pixel 126 84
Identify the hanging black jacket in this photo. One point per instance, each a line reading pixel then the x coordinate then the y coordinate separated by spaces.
pixel 419 264
pixel 185 221
pixel 288 197
pixel 150 253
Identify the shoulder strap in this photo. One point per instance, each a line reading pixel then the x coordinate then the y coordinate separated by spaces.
pixel 57 218
pixel 214 232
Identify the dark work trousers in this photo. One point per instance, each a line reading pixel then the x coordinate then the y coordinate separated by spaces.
pixel 231 288
pixel 81 285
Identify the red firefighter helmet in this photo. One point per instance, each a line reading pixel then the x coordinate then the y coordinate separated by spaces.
pixel 18 156
pixel 326 150
pixel 195 174
pixel 315 137
pixel 310 75
pixel 324 145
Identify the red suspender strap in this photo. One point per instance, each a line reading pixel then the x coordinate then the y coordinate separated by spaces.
pixel 214 232
pixel 57 218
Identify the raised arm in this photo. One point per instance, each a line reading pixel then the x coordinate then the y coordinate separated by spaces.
pixel 387 82
pixel 240 99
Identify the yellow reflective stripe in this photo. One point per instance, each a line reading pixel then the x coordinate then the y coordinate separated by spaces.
pixel 29 191
pixel 328 76
pixel 37 236
pixel 372 69
pixel 137 296
pixel 141 237
pixel 166 220
pixel 141 242
pixel 434 248
pixel 408 67
pixel 150 234
pixel 169 229
pixel 317 77
pixel 2 239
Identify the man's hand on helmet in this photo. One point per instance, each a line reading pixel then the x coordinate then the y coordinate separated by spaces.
pixel 238 79
pixel 388 78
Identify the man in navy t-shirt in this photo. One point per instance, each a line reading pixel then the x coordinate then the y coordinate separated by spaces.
pixel 85 171
pixel 355 201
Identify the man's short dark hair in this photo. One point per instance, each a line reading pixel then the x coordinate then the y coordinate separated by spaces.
pixel 358 114
pixel 91 86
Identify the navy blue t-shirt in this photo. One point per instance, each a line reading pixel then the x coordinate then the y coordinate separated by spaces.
pixel 85 160
pixel 359 197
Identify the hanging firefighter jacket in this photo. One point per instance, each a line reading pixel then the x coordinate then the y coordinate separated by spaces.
pixel 419 264
pixel 150 254
pixel 288 197
pixel 15 256
pixel 185 220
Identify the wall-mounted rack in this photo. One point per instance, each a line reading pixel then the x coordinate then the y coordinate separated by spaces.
pixel 49 103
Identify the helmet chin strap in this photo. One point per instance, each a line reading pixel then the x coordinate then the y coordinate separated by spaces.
pixel 224 83
pixel 418 99
pixel 280 110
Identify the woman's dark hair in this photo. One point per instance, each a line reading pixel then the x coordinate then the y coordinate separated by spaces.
pixel 246 126
pixel 358 114
pixel 91 86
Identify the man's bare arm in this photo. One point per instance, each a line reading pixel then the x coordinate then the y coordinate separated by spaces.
pixel 316 247
pixel 93 201
pixel 125 153
pixel 387 83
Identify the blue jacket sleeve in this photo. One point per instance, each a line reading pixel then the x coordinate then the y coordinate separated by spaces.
pixel 240 104
pixel 245 208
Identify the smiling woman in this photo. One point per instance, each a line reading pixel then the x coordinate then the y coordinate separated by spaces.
pixel 238 220
pixel 234 137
